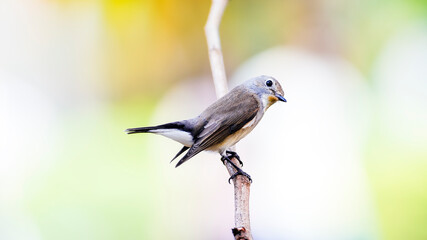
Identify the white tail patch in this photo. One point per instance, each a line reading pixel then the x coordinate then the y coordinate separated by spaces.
pixel 180 136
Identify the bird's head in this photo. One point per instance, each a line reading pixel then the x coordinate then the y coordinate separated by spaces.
pixel 267 88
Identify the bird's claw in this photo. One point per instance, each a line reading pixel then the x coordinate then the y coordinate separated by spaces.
pixel 231 154
pixel 239 172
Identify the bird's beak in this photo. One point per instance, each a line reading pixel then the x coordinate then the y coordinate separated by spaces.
pixel 281 98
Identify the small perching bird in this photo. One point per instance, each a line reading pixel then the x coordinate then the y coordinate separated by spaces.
pixel 223 123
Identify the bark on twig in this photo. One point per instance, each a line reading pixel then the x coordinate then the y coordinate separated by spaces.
pixel 242 229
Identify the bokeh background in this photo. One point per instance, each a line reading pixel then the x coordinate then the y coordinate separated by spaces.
pixel 344 158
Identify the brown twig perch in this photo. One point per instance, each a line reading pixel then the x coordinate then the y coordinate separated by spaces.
pixel 242 229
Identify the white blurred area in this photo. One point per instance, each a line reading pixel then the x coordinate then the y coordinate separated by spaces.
pixel 27 137
pixel 46 71
pixel 400 75
pixel 305 156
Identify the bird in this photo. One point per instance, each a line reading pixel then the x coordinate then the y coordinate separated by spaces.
pixel 224 123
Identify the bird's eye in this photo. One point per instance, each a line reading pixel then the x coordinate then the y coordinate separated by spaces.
pixel 269 83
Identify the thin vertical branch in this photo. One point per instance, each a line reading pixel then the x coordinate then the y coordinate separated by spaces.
pixel 242 229
pixel 214 46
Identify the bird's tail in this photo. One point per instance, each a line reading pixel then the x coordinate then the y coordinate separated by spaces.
pixel 139 130
pixel 177 131
pixel 155 129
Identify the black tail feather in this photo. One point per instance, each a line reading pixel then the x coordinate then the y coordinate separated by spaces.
pixel 183 149
pixel 172 125
pixel 138 130
pixel 191 153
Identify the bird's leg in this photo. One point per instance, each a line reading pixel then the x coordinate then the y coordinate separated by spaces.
pixel 231 154
pixel 239 171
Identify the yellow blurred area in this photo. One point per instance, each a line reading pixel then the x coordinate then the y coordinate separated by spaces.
pixel 147 34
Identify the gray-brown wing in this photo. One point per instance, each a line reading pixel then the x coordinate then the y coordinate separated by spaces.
pixel 225 122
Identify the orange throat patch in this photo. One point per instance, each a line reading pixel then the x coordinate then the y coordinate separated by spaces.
pixel 271 100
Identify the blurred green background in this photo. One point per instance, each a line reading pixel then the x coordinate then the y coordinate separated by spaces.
pixel 74 74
